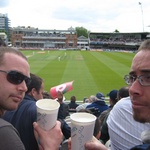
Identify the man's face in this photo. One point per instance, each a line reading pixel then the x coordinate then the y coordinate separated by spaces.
pixel 140 95
pixel 11 94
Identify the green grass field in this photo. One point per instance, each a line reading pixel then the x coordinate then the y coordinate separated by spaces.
pixel 92 71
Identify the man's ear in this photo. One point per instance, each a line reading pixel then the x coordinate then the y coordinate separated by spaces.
pixel 33 92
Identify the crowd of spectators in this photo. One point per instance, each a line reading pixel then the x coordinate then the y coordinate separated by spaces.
pixel 119 122
pixel 120 41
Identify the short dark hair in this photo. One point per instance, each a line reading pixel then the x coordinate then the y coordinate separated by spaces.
pixel 97 127
pixel 73 98
pixel 123 92
pixel 36 83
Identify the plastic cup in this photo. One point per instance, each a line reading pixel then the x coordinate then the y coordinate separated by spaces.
pixel 82 128
pixel 47 111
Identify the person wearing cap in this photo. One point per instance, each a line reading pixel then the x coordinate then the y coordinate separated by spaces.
pixel 113 98
pixel 99 104
pixel 104 115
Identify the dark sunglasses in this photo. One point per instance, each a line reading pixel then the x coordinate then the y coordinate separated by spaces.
pixel 15 77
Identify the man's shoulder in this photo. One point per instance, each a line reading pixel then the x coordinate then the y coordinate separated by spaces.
pixel 29 98
pixel 123 104
pixel 28 102
pixel 4 123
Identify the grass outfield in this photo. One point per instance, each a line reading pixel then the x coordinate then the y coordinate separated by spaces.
pixel 92 71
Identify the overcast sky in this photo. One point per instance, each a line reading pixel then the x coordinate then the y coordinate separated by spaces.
pixel 94 15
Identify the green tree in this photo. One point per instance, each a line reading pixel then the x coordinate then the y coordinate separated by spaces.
pixel 116 31
pixel 81 31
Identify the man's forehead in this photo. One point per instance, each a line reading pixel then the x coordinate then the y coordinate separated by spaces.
pixel 16 62
pixel 141 62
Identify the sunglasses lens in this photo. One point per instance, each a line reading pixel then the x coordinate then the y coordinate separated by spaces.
pixel 16 78
pixel 28 81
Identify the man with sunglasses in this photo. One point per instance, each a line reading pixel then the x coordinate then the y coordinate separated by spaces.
pixel 139 91
pixel 14 80
pixel 22 118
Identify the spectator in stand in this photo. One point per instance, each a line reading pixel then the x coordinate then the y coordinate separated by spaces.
pixel 123 92
pixel 73 104
pixel 27 109
pixel 104 115
pixel 99 104
pixel 22 118
pixel 85 100
pixel 15 78
pixel 64 108
pixel 83 105
pixel 92 99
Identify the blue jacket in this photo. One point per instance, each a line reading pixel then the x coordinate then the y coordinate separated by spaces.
pixel 99 104
pixel 22 119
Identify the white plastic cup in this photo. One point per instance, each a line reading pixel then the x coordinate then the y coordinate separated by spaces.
pixel 82 128
pixel 47 111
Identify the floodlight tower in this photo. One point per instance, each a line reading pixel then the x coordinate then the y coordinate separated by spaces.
pixel 88 32
pixel 142 15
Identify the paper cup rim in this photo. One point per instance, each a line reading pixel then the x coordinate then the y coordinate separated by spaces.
pixel 75 116
pixel 51 101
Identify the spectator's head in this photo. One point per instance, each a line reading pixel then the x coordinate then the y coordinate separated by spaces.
pixel 139 82
pixel 113 97
pixel 60 96
pixel 36 87
pixel 92 98
pixel 123 92
pixel 100 96
pixel 73 99
pixel 14 78
pixel 85 100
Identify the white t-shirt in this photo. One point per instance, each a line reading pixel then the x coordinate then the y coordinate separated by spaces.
pixel 124 131
pixel 82 106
